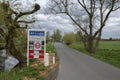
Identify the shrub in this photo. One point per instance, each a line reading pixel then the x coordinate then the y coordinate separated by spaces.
pixel 69 38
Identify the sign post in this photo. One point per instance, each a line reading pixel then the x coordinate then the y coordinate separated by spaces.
pixel 36 47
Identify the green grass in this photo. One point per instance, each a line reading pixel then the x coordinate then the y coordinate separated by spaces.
pixel 108 51
pixel 109 56
pixel 115 45
pixel 51 49
pixel 78 46
pixel 18 74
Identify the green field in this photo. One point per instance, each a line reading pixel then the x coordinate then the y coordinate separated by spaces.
pixel 115 45
pixel 108 51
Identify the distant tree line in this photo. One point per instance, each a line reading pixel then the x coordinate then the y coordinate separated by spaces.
pixel 67 38
pixel 111 39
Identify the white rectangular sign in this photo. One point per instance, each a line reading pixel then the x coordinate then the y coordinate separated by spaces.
pixel 36 43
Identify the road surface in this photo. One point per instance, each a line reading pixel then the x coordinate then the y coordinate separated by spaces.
pixel 77 66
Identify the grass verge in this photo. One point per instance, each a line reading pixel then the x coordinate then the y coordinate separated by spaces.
pixel 19 74
pixel 108 51
pixel 51 49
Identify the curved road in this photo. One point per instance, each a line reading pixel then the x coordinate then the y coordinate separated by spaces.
pixel 77 66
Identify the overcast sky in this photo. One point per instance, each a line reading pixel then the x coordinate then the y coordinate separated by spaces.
pixel 62 22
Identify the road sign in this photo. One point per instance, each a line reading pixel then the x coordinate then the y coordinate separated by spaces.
pixel 37 45
pixel 36 38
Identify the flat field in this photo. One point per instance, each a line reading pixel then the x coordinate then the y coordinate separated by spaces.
pixel 110 45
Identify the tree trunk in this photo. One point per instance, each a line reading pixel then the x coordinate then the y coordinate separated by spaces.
pixel 10 35
pixel 11 49
pixel 97 42
pixel 84 40
pixel 90 44
pixel 90 41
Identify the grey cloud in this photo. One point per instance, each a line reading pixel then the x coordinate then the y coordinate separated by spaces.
pixel 62 22
pixel 107 34
pixel 53 22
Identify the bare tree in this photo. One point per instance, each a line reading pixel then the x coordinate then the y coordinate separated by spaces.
pixel 12 20
pixel 89 15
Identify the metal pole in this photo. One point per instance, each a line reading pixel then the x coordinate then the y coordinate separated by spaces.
pixel 27 47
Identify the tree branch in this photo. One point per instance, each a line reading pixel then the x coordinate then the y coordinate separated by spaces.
pixel 77 24
pixel 36 8
pixel 26 21
pixel 116 8
pixel 106 17
pixel 94 5
pixel 83 5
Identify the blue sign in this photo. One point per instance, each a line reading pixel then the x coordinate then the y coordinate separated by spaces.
pixel 37 33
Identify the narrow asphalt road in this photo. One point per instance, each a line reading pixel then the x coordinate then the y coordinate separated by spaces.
pixel 77 66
